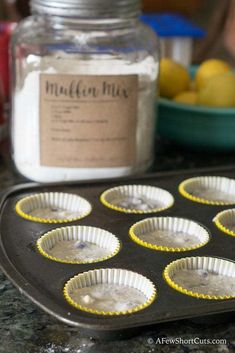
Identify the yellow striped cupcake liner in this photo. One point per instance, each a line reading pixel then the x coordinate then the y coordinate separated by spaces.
pixel 206 263
pixel 69 202
pixel 93 235
pixel 218 183
pixel 173 224
pixel 111 276
pixel 222 219
pixel 153 194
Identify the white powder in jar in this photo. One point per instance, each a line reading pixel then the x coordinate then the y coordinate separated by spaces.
pixel 26 115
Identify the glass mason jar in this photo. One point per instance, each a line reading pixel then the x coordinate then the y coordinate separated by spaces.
pixel 84 91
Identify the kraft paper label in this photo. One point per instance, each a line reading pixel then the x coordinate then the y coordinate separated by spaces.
pixel 88 121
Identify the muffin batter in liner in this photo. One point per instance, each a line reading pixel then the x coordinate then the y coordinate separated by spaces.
pixel 225 221
pixel 210 190
pixel 84 245
pixel 53 207
pixel 138 199
pixel 169 234
pixel 122 286
pixel 213 277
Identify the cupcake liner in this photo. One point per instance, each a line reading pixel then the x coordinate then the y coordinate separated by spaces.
pixel 172 227
pixel 140 196
pixel 206 266
pixel 225 221
pixel 94 236
pixel 32 207
pixel 133 281
pixel 210 190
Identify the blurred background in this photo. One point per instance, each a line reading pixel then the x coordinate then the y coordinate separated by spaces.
pixel 190 32
pixel 214 15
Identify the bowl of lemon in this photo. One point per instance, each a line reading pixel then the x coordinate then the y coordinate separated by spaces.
pixel 197 106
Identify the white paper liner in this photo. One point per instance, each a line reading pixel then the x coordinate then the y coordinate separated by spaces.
pixel 159 198
pixel 68 207
pixel 212 190
pixel 99 237
pixel 211 266
pixel 111 276
pixel 225 221
pixel 169 234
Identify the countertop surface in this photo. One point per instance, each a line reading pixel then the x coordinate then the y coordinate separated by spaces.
pixel 26 329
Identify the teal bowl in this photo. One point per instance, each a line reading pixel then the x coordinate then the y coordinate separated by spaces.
pixel 197 127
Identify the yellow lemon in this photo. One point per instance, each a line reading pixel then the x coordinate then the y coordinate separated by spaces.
pixel 210 68
pixel 187 97
pixel 219 91
pixel 174 78
pixel 192 85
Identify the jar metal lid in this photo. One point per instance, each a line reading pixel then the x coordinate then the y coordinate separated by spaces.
pixel 87 8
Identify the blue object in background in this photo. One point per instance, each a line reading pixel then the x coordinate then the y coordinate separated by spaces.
pixel 172 25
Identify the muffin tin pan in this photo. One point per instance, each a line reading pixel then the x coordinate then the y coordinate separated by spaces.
pixel 43 280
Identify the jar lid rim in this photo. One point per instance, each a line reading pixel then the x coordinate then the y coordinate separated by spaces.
pixel 87 8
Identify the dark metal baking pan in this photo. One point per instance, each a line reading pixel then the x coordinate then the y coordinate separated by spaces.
pixel 42 280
